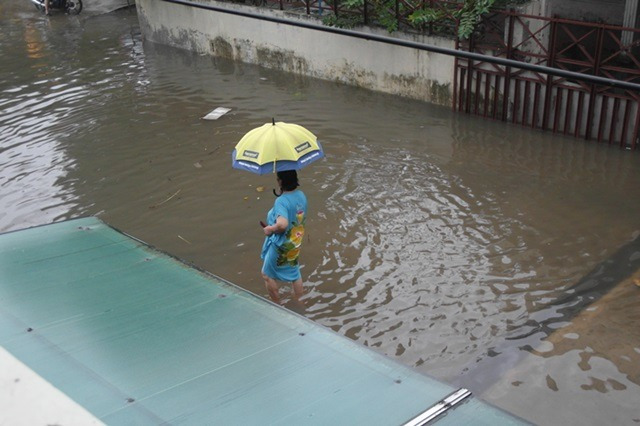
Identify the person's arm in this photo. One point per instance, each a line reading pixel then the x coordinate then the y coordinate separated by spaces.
pixel 277 228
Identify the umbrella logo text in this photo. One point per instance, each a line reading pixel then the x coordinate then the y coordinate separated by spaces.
pixel 303 146
pixel 249 165
pixel 309 157
pixel 250 154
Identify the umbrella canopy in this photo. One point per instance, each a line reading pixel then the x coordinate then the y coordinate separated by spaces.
pixel 275 147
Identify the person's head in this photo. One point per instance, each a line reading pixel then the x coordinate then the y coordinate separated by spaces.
pixel 288 180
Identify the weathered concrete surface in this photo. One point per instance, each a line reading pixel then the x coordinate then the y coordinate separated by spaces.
pixel 377 66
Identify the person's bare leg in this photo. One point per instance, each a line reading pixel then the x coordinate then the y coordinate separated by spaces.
pixel 298 290
pixel 272 288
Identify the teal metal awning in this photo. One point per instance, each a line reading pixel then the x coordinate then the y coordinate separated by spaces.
pixel 137 337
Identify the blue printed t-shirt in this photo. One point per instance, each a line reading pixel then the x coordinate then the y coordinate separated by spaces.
pixel 280 251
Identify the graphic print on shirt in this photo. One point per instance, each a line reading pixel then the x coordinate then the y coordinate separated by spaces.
pixel 289 251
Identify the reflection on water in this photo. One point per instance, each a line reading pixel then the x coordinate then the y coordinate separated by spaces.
pixel 490 256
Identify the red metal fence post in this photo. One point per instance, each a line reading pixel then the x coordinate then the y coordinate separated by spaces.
pixel 456 67
pixel 593 92
pixel 366 12
pixel 507 77
pixel 467 101
pixel 549 83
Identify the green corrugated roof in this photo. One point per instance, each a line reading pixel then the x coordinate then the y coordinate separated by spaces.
pixel 138 337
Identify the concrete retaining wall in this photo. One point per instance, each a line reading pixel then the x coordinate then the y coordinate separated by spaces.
pixel 377 66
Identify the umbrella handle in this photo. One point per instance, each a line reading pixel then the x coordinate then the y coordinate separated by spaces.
pixel 276 194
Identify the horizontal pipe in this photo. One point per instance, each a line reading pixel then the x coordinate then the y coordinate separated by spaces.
pixel 421 46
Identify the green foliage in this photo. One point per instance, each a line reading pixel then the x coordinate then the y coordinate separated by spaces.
pixel 342 21
pixel 352 4
pixel 347 19
pixel 385 10
pixel 426 16
pixel 468 16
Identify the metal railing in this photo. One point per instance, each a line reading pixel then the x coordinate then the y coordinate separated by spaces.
pixel 500 84
pixel 578 107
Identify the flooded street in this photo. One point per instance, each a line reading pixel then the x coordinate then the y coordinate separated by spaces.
pixel 489 256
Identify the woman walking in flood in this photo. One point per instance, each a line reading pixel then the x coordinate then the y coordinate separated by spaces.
pixel 284 232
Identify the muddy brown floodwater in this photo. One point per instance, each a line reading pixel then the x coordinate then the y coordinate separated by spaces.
pixel 490 256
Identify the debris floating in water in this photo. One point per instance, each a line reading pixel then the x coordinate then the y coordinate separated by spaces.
pixel 216 113
pixel 161 203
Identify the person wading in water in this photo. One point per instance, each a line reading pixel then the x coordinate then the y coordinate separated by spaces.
pixel 284 232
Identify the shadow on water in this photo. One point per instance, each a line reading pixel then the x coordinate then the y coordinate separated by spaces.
pixel 623 264
pixel 548 317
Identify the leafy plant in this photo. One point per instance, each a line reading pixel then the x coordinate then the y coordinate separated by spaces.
pixel 468 15
pixel 426 16
pixel 342 21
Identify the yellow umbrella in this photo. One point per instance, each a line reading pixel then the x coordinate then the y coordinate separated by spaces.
pixel 275 147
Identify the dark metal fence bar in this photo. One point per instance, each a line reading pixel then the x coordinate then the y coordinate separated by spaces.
pixel 487 93
pixel 614 118
pixel 567 116
pixel 625 121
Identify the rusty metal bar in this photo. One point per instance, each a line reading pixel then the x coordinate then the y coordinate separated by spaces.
pixel 593 93
pixel 525 102
pixel 567 114
pixel 623 135
pixel 570 21
pixel 549 88
pixel 536 103
pixel 477 94
pixel 603 114
pixel 496 94
pixel 634 138
pixel 467 107
pixel 516 101
pixel 366 12
pixel 557 107
pixel 579 114
pixel 507 77
pixel 456 68
pixel 463 72
pixel 487 94
pixel 614 117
